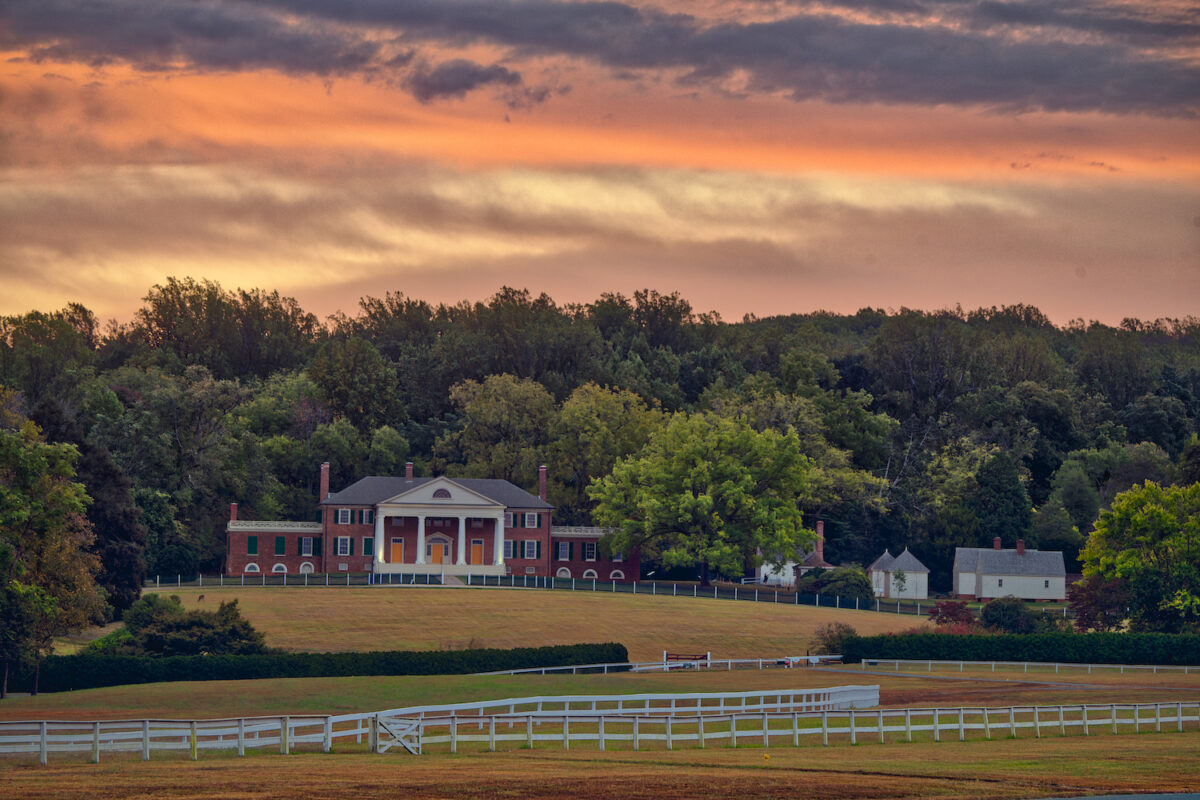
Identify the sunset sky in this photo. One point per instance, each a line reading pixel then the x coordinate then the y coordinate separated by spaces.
pixel 769 156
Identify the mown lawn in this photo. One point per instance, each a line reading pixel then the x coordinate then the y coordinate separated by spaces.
pixel 420 618
pixel 976 769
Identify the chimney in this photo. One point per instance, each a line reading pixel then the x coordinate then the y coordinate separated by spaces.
pixel 324 482
pixel 1020 547
pixel 408 471
pixel 996 543
pixel 233 512
pixel 542 483
pixel 820 540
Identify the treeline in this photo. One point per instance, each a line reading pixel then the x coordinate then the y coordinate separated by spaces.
pixel 926 429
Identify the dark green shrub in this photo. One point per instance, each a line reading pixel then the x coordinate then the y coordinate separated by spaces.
pixel 1079 648
pixel 88 671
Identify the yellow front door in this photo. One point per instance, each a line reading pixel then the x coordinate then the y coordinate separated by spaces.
pixel 397 551
pixel 477 551
pixel 436 553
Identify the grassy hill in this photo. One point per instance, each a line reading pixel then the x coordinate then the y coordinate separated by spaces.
pixel 417 618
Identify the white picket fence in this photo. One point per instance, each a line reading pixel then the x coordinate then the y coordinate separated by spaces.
pixel 394 727
pixel 774 728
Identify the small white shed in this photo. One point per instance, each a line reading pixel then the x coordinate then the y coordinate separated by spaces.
pixel 899 577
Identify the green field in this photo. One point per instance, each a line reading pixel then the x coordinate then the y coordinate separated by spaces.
pixel 421 618
pixel 416 618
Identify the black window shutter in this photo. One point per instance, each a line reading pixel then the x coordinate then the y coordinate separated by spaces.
pixel 539 549
pixel 570 551
pixel 350 545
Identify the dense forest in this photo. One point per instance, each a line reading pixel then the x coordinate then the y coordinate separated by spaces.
pixel 925 429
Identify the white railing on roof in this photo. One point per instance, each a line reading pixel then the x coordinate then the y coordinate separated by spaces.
pixel 273 525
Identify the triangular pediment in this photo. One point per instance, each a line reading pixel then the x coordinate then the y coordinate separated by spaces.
pixel 441 492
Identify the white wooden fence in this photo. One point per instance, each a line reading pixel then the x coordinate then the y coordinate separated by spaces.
pixel 773 728
pixel 697 725
pixel 781 662
pixel 928 664
pixel 394 727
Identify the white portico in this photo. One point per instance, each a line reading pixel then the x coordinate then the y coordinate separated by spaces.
pixel 439 526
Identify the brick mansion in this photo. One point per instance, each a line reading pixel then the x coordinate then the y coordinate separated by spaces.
pixel 433 526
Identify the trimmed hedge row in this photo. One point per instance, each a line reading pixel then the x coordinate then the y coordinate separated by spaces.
pixel 65 673
pixel 1075 648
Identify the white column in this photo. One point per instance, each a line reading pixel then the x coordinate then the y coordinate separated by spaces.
pixel 462 540
pixel 379 543
pixel 420 538
pixel 498 540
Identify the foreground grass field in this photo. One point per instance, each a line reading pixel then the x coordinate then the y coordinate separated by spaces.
pixel 997 769
pixel 297 696
pixel 419 618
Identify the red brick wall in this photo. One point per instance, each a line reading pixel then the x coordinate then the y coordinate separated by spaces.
pixel 238 556
pixel 603 567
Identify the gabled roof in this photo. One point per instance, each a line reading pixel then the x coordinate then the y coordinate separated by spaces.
pixel 375 489
pixel 883 563
pixel 989 561
pixel 907 562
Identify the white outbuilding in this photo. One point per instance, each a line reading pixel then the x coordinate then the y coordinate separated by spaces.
pixel 897 577
pixel 981 573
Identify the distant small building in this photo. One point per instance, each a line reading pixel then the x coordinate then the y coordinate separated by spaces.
pixel 984 574
pixel 815 559
pixel 886 572
pixel 793 566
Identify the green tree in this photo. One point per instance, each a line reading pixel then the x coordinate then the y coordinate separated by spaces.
pixel 120 538
pixel 707 491
pixel 1053 529
pixel 357 383
pixel 45 543
pixel 506 422
pixel 1150 538
pixel 594 428
pixel 1001 503
pixel 1008 615
pixel 848 583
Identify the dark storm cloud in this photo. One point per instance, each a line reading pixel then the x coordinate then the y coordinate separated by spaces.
pixel 455 78
pixel 1010 55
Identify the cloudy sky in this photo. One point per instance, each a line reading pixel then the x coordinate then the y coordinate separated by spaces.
pixel 763 156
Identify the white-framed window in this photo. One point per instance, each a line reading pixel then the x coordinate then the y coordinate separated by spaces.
pixel 531 519
pixel 251 567
pixel 1000 581
pixel 562 572
pixel 343 567
pixel 529 548
pixel 366 516
pixel 279 568
pixel 589 573
pixel 1047 584
pixel 306 546
pixel 344 546
pixel 510 519
pixel 343 516
pixel 618 558
pixel 306 568
pixel 616 575
pixel 564 552
pixel 510 548
pixel 589 551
